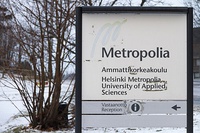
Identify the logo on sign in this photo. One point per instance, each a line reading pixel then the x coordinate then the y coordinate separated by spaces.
pixel 106 32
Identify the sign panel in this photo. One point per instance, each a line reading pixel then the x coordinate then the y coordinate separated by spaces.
pixel 128 56
pixel 135 64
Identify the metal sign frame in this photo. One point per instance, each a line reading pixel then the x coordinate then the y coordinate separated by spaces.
pixel 103 10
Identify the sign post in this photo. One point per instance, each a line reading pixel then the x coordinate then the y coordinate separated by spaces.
pixel 134 67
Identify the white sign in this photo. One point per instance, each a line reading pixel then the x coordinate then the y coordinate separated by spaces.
pixel 135 65
pixel 134 56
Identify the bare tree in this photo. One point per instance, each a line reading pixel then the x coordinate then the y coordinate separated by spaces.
pixel 196 11
pixel 44 32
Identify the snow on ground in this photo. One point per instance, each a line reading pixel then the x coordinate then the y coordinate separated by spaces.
pixel 11 118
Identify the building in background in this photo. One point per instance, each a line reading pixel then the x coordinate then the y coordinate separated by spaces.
pixel 196 52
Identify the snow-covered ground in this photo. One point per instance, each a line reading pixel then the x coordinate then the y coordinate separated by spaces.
pixel 11 118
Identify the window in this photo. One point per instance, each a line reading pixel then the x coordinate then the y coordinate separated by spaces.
pixel 196 75
pixel 198 62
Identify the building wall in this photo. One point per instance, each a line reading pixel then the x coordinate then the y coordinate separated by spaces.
pixel 196 52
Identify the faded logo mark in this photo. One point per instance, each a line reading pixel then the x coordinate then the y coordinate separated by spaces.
pixel 105 33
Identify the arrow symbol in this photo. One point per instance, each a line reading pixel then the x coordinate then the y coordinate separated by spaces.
pixel 175 107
